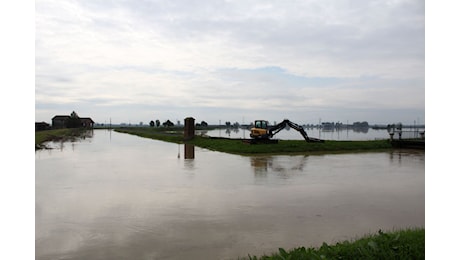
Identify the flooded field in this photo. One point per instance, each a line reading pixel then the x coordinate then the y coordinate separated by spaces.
pixel 331 134
pixel 117 196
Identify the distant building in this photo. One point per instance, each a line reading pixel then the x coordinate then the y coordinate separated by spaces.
pixel 86 122
pixel 40 126
pixel 62 121
pixel 326 126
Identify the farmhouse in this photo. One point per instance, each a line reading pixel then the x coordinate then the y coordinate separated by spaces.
pixel 86 122
pixel 63 121
pixel 60 121
pixel 40 126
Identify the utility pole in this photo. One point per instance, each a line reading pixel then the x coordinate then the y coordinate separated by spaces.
pixel 244 132
pixel 319 128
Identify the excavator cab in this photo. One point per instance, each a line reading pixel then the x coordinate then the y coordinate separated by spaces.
pixel 260 129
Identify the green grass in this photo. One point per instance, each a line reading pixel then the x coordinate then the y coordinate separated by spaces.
pixel 403 244
pixel 288 146
pixel 173 135
pixel 54 135
pixel 236 146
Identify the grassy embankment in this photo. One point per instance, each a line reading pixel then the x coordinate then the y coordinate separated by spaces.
pixel 403 244
pixel 236 146
pixel 55 135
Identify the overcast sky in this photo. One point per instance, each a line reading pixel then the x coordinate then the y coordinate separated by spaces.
pixel 133 61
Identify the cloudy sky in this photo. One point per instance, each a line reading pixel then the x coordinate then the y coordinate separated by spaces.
pixel 310 60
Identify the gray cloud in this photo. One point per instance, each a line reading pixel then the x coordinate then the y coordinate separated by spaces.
pixel 176 57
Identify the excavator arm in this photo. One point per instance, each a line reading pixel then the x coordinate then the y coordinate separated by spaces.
pixel 275 129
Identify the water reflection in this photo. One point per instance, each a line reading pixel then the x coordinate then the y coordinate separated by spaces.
pixel 189 157
pixel 283 166
pixel 78 136
pixel 401 155
pixel 189 151
pixel 87 134
pixel 230 132
pixel 189 165
pixel 336 134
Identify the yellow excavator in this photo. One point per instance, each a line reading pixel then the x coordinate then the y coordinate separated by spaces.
pixel 262 130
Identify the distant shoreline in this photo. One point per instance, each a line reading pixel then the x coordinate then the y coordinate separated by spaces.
pixel 227 145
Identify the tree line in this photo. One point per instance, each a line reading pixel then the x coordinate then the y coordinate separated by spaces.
pixel 168 123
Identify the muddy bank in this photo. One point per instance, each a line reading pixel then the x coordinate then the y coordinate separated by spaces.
pixel 60 135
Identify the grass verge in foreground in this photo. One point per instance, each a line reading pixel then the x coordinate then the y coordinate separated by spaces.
pixel 403 244
pixel 237 146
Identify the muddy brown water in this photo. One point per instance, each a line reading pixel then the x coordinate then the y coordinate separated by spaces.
pixel 118 196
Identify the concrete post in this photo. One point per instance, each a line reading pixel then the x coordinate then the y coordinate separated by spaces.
pixel 189 128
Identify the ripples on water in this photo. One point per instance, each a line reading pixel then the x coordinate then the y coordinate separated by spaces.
pixel 117 196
